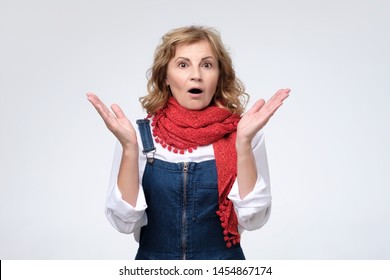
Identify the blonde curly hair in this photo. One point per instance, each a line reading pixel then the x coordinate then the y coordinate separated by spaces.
pixel 230 92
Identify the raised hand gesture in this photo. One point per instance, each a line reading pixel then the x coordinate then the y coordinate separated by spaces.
pixel 258 116
pixel 115 121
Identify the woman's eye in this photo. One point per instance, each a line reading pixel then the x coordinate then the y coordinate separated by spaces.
pixel 207 65
pixel 182 65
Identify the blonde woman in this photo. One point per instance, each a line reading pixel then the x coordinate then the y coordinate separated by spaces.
pixel 192 175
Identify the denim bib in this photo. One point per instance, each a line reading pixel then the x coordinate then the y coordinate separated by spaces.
pixel 182 202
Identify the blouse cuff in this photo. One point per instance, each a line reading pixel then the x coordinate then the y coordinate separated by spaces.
pixel 259 197
pixel 253 210
pixel 123 209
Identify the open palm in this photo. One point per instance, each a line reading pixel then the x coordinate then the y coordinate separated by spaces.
pixel 116 121
pixel 259 115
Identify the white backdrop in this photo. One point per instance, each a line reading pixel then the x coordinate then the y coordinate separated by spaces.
pixel 327 146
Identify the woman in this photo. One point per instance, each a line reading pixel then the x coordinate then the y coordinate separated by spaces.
pixel 191 180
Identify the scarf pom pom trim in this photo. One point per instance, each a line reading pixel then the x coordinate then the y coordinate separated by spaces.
pixel 228 223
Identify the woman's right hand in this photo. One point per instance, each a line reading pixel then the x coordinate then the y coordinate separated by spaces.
pixel 116 122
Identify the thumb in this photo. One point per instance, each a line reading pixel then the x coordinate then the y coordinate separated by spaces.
pixel 118 111
pixel 257 106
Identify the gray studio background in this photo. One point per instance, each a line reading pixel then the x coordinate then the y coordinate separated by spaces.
pixel 327 146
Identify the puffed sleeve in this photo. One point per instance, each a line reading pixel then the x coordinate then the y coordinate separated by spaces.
pixel 254 210
pixel 122 215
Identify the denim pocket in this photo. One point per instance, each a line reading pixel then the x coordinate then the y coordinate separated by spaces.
pixel 205 200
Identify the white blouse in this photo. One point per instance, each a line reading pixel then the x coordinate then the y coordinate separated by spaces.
pixel 252 212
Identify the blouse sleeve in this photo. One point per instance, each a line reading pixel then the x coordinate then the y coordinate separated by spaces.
pixel 254 210
pixel 122 215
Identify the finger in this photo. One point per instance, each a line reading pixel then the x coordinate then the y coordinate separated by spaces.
pixel 99 105
pixel 118 111
pixel 276 100
pixel 95 100
pixel 108 117
pixel 283 94
pixel 270 107
pixel 280 95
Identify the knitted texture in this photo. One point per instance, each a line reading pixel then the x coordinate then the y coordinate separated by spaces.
pixel 179 130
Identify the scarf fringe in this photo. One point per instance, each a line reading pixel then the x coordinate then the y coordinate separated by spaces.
pixel 171 148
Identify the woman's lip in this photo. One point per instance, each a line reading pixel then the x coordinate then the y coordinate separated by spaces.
pixel 195 91
pixel 195 95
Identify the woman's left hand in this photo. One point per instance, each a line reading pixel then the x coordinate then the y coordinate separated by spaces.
pixel 258 116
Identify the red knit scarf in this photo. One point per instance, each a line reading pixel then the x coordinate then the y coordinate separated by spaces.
pixel 179 129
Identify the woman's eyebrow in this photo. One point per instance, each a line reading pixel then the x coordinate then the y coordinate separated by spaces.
pixel 208 57
pixel 187 59
pixel 182 58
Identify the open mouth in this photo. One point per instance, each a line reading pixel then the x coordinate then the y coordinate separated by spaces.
pixel 195 91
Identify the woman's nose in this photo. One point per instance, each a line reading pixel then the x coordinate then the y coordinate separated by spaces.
pixel 196 75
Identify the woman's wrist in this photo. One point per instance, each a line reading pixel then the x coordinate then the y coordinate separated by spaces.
pixel 130 149
pixel 243 147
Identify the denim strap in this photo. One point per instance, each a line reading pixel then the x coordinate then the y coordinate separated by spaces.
pixel 147 139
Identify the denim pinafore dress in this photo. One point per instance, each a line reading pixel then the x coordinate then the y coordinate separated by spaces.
pixel 182 202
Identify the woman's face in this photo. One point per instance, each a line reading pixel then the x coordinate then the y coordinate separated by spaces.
pixel 192 75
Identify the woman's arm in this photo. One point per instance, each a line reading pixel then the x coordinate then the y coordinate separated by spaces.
pixel 251 123
pixel 254 210
pixel 120 126
pixel 122 215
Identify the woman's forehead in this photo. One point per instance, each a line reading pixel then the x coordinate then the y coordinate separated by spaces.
pixel 199 48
